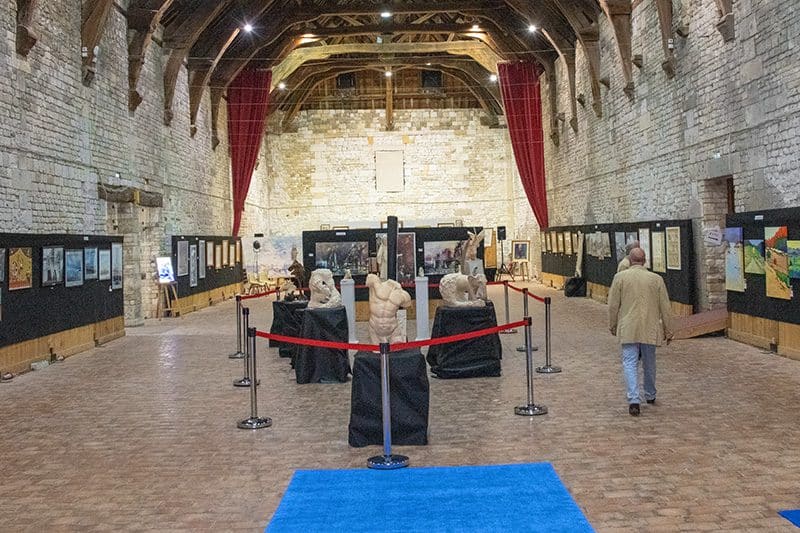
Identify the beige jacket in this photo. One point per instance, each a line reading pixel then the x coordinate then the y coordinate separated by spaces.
pixel 625 264
pixel 638 307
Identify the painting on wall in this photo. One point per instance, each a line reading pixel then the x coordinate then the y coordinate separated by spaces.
pixel 619 245
pixel 20 268
pixel 116 265
pixel 104 265
pixel 238 251
pixel 442 257
pixel 560 242
pixel 568 243
pixel 754 256
pixel 2 264
pixel 232 254
pixel 734 260
pixel 201 259
pixel 605 245
pixel 673 236
pixel 218 256
pixel 793 253
pixel 521 249
pixel 406 255
pixel 193 265
pixel 225 252
pixel 52 265
pixel 183 258
pixel 73 268
pixel 210 254
pixel 644 244
pixel 776 264
pixel 90 263
pixel 658 251
pixel 341 256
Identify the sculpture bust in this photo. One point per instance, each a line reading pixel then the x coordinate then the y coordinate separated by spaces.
pixel 460 290
pixel 323 290
pixel 385 298
pixel 471 249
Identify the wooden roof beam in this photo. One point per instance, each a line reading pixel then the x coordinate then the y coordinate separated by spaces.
pixel 94 18
pixel 26 36
pixel 584 24
pixel 664 8
pixel 725 24
pixel 619 13
pixel 143 19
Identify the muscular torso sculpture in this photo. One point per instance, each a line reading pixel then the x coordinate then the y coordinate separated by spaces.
pixel 385 298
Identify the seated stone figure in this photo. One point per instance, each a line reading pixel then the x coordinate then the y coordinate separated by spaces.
pixel 323 290
pixel 460 290
pixel 385 298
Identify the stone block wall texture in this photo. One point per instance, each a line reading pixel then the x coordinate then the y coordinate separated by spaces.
pixel 731 109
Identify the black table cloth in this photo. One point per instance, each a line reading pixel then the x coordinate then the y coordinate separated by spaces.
pixel 286 320
pixel 408 381
pixel 478 357
pixel 313 364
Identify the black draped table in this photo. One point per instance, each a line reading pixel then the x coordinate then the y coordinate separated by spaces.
pixel 478 357
pixel 408 380
pixel 286 320
pixel 313 364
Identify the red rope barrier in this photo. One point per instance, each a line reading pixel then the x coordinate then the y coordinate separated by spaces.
pixel 537 298
pixel 459 337
pixel 318 343
pixel 258 295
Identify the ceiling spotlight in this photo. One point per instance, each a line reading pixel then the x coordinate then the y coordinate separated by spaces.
pixel 248 28
pixel 532 28
pixel 493 78
pixel 475 27
pixel 281 86
pixel 386 14
pixel 388 73
pixel 428 64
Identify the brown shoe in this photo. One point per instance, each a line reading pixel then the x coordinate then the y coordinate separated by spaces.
pixel 633 409
pixel 651 402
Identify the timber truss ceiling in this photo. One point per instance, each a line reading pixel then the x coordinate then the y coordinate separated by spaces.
pixel 309 42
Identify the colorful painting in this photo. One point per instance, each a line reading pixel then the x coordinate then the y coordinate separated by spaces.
pixel 73 268
pixel 658 262
pixel 20 268
pixel 644 244
pixel 52 265
pixel 754 256
pixel 116 265
pixel 793 251
pixel 733 235
pixel 521 248
pixel 165 272
pixel 442 257
pixel 406 256
pixel 338 257
pixel 104 265
pixel 673 248
pixel 776 264
pixel 734 267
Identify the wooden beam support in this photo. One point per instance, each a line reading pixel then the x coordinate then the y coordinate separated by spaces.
pixel 26 36
pixel 216 99
pixel 664 8
pixel 552 95
pixel 143 19
pixel 619 13
pixel 94 18
pixel 389 104
pixel 725 25
pixel 198 78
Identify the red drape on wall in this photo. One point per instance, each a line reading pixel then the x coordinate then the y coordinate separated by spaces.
pixel 519 84
pixel 248 101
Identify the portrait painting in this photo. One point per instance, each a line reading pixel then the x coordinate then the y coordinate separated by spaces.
pixel 520 249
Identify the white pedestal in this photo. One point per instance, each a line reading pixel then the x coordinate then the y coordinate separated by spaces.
pixel 423 327
pixel 348 287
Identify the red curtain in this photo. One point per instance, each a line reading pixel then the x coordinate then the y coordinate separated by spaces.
pixel 248 101
pixel 519 84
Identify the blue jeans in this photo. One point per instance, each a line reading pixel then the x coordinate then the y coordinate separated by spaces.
pixel 630 366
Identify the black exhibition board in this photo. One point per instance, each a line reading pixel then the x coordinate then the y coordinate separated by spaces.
pixel 754 300
pixel 30 313
pixel 421 236
pixel 214 277
pixel 680 283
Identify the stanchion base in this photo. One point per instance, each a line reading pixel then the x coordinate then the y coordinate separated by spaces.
pixel 255 423
pixel 530 410
pixel 244 382
pixel 508 331
pixel 387 462
pixel 548 369
pixel 236 355
pixel 522 348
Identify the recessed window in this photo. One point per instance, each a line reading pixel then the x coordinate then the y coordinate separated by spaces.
pixel 346 80
pixel 431 79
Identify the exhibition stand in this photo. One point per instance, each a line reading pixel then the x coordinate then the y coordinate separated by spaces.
pixel 315 364
pixel 479 357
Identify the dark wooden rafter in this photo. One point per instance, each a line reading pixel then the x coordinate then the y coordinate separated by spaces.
pixel 180 37
pixel 619 14
pixel 216 99
pixel 94 18
pixel 144 17
pixel 725 25
pixel 664 8
pixel 584 23
pixel 26 36
pixel 552 97
pixel 389 103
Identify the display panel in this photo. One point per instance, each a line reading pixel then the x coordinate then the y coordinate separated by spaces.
pixel 442 257
pixel 339 257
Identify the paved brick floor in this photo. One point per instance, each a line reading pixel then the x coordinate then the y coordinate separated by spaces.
pixel 141 433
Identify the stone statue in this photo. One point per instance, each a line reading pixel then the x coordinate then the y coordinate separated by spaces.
pixel 385 298
pixel 348 274
pixel 421 272
pixel 323 290
pixel 471 250
pixel 296 269
pixel 460 290
pixel 383 256
pixel 289 292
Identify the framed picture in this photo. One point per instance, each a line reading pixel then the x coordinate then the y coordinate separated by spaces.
pixel 226 250
pixel 73 263
pixel 568 243
pixel 520 249
pixel 218 256
pixel 619 245
pixel 104 265
pixel 183 258
pixel 165 272
pixel 20 268
pixel 644 244
pixel 90 263
pixel 210 254
pixel 201 259
pixel 52 265
pixel 560 243
pixel 341 256
pixel 239 251
pixel 326 227
pixel 776 266
pixel 673 248
pixel 116 265
pixel 442 257
pixel 340 228
pixel 406 255
pixel 445 225
pixel 231 254
pixel 193 265
pixel 657 243
pixel 2 264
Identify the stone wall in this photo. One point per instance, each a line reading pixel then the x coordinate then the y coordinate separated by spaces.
pixel 731 110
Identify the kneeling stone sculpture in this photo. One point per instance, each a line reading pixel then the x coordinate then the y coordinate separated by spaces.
pixel 323 290
pixel 460 290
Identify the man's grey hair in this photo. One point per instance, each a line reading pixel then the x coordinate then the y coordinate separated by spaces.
pixel 630 246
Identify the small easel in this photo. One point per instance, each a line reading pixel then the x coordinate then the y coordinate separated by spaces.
pixel 523 270
pixel 166 293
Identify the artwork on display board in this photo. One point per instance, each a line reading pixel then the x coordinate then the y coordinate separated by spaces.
pixel 521 250
pixel 734 260
pixel 210 254
pixel 406 255
pixel 575 242
pixel 619 245
pixel 546 242
pixel 777 262
pixel 183 258
pixel 568 243
pixel 52 265
pixel 165 272
pixel 605 245
pixel 116 265
pixel 793 251
pixel 274 255
pixel 560 242
pixel 673 237
pixel 553 243
pixel 442 257
pixel 73 268
pixel 90 263
pixel 644 244
pixel 488 237
pixel 238 251
pixel 592 244
pixel 754 256
pixel 226 250
pixel 631 237
pixel 341 256
pixel 2 264
pixel 659 264
pixel 193 265
pixel 201 259
pixel 232 254
pixel 104 265
pixel 218 256
pixel 20 268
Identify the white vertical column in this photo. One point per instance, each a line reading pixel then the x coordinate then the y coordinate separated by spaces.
pixel 348 287
pixel 421 286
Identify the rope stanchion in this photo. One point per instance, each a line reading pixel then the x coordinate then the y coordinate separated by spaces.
pixel 245 381
pixel 254 421
pixel 260 294
pixel 508 319
pixel 387 461
pixel 523 348
pixel 238 354
pixel 530 409
pixel 547 368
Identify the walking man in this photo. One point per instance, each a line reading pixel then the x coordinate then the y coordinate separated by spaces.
pixel 639 315
pixel 625 264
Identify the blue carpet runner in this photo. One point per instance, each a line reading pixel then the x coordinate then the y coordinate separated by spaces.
pixel 792 516
pixel 508 498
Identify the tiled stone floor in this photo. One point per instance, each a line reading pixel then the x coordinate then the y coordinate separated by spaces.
pixel 141 433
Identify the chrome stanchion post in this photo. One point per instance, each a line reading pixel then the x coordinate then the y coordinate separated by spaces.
pixel 387 461
pixel 238 354
pixel 531 409
pixel 505 297
pixel 254 422
pixel 524 348
pixel 245 381
pixel 547 368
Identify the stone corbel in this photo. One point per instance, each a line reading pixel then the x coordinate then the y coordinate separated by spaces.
pixel 216 98
pixel 664 8
pixel 95 15
pixel 26 37
pixel 619 13
pixel 725 25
